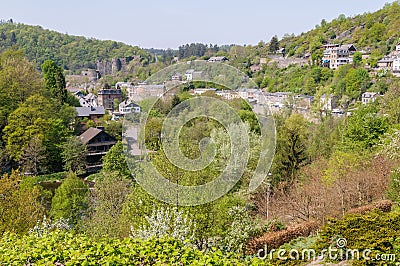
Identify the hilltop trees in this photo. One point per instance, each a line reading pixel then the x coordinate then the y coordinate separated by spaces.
pixel 274 44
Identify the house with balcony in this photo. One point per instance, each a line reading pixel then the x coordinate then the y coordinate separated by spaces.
pixel 98 143
pixel 336 56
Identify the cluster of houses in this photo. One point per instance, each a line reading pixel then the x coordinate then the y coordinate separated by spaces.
pixel 94 107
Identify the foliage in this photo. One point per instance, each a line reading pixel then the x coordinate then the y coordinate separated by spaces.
pixel 69 52
pixel 364 128
pixel 70 200
pixel 291 149
pixel 242 228
pixel 33 157
pixel 67 249
pixel 168 222
pixel 114 161
pixel 357 82
pixel 46 226
pixel 394 186
pixel 20 205
pixel 106 203
pixel 54 81
pixel 74 155
pixel 274 44
pixel 376 231
pixel 18 81
pixel 37 117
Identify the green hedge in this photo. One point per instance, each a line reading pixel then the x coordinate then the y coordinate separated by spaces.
pixel 376 231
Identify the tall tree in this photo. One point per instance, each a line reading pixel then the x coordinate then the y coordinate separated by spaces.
pixel 54 80
pixel 274 44
pixel 291 149
pixel 20 205
pixel 18 81
pixel 107 202
pixel 114 161
pixel 32 160
pixel 74 155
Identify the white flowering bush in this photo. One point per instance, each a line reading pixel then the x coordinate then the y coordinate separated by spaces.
pixel 166 222
pixel 390 145
pixel 46 226
pixel 243 227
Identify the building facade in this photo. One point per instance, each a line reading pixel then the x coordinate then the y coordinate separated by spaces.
pixel 107 97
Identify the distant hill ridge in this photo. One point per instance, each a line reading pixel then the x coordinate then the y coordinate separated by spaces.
pixel 70 52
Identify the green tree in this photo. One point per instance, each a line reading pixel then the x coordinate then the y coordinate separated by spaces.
pixel 357 82
pixel 273 44
pixel 74 155
pixel 357 59
pixel 32 160
pixel 19 79
pixel 291 149
pixel 38 116
pixel 54 80
pixel 394 186
pixel 108 198
pixel 114 161
pixel 364 128
pixel 70 200
pixel 20 205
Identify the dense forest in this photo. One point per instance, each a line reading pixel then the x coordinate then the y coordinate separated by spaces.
pixel 69 52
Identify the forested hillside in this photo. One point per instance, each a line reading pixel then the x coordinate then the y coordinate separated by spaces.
pixel 377 31
pixel 70 52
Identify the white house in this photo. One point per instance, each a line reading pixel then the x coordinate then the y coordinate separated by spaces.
pixel 191 74
pixel 128 107
pixel 369 97
pixel 328 102
pixel 396 64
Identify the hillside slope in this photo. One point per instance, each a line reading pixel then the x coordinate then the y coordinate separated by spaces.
pixel 376 32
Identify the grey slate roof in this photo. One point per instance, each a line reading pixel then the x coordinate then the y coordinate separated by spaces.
pixel 89 134
pixel 88 111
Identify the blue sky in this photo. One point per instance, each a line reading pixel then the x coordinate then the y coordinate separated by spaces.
pixel 170 23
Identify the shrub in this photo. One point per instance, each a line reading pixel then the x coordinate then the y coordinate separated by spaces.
pixel 64 248
pixel 276 239
pixel 375 230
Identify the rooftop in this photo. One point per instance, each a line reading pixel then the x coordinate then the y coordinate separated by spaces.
pixel 89 134
pixel 88 111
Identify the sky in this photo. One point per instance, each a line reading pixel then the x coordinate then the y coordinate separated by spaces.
pixel 171 23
